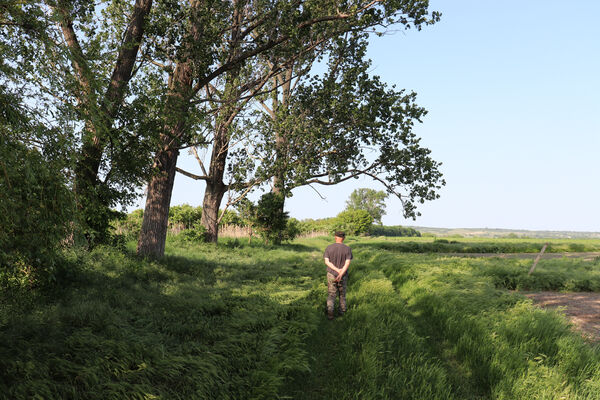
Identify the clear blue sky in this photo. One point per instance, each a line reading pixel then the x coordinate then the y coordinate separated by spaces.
pixel 513 94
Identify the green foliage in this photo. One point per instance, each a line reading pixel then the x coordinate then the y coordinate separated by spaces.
pixel 427 244
pixel 354 222
pixel 370 200
pixel 271 220
pixel 194 234
pixel 394 231
pixel 292 229
pixel 185 215
pixel 129 225
pixel 326 225
pixel 345 123
pixel 36 215
pixel 230 217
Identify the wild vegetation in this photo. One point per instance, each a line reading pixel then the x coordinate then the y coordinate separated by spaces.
pixel 247 321
pixel 112 92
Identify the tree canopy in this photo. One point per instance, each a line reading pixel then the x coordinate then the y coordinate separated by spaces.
pixel 370 200
pixel 112 91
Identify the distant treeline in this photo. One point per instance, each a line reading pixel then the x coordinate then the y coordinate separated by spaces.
pixel 395 230
pixel 185 218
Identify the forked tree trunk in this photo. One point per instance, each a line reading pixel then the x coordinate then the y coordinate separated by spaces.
pixel 94 207
pixel 153 234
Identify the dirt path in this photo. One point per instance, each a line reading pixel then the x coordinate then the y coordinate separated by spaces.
pixel 587 256
pixel 582 309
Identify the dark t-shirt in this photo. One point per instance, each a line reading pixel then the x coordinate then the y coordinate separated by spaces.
pixel 337 253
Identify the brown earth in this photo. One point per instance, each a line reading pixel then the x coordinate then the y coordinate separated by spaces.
pixel 582 309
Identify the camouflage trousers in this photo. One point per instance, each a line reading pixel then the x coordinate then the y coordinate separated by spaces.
pixel 333 288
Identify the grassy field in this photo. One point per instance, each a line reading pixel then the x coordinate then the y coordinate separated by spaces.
pixel 482 245
pixel 243 321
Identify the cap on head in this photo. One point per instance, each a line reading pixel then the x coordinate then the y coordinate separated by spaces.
pixel 340 234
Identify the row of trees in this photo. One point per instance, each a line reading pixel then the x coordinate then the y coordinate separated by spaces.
pixel 110 92
pixel 363 208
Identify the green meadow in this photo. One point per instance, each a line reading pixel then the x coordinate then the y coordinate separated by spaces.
pixel 247 321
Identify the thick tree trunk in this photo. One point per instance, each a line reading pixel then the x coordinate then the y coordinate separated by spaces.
pixel 153 234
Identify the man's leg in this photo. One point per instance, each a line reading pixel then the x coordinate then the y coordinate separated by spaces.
pixel 331 294
pixel 342 289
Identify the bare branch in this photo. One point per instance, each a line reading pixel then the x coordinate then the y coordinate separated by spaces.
pixel 190 175
pixel 199 160
pixel 317 192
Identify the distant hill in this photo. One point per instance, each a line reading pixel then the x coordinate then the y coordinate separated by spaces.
pixel 499 233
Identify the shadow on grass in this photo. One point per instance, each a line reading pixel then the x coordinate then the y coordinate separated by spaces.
pixel 128 328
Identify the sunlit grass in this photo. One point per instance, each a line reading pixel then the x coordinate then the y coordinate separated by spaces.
pixel 245 321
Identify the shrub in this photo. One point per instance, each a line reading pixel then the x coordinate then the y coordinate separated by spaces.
pixel 394 231
pixel 271 220
pixel 36 214
pixel 292 229
pixel 354 222
pixel 129 225
pixel 185 215
pixel 307 226
pixel 230 217
pixel 195 234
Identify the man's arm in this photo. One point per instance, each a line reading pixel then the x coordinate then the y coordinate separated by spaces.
pixel 343 270
pixel 333 267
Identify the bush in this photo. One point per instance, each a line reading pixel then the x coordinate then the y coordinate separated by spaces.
pixel 230 217
pixel 292 229
pixel 129 225
pixel 36 211
pixel 354 222
pixel 195 234
pixel 185 215
pixel 271 220
pixel 317 225
pixel 394 231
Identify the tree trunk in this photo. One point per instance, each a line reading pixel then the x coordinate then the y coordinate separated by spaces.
pixel 94 207
pixel 281 141
pixel 153 234
pixel 210 209
pixel 215 188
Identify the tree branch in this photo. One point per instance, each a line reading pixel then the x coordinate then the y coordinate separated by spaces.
pixel 190 175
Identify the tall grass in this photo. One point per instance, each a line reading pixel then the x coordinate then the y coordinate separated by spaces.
pixel 504 347
pixel 246 321
pixel 480 245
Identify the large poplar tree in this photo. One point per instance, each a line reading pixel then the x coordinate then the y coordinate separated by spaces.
pixel 277 37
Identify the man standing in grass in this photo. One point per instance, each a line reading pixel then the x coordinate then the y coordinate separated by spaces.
pixel 337 258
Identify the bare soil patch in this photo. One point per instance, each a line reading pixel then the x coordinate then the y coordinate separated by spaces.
pixel 582 309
